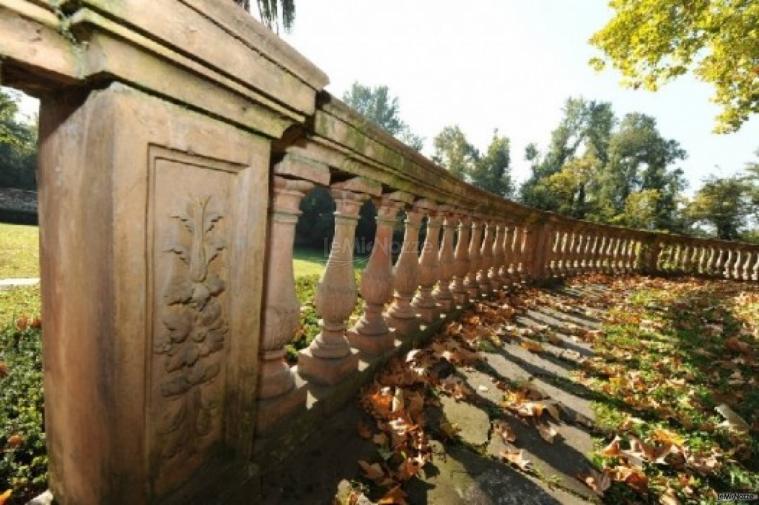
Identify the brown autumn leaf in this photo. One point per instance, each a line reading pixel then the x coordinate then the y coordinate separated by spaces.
pixel 395 496
pixel 15 441
pixel 597 481
pixel 503 429
pixel 547 432
pixel 22 323
pixel 613 449
pixel 531 346
pixel 5 496
pixel 633 477
pixel 516 457
pixel 3 370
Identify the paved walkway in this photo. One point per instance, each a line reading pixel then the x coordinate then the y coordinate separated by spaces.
pixel 468 470
pixel 18 283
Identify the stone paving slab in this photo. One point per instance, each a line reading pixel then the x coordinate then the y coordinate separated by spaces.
pixel 18 283
pixel 466 477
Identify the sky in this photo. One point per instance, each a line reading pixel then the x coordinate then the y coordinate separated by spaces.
pixel 502 64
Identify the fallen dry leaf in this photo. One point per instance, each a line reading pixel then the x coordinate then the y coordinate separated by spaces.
pixel 531 345
pixel 503 429
pixel 5 496
pixel 547 432
pixel 516 457
pixel 597 481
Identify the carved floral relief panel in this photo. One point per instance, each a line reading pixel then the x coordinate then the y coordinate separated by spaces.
pixel 191 217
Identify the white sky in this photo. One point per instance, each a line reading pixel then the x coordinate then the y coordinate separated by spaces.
pixel 503 64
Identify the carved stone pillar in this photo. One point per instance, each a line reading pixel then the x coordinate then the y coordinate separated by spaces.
pixel 371 333
pixel 401 315
pixel 472 286
pixel 329 358
pixel 446 260
pixel 486 258
pixel 280 304
pixel 424 302
pixel 496 281
pixel 461 260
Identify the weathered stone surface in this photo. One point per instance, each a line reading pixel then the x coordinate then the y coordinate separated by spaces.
pixel 114 380
pixel 465 477
pixel 472 423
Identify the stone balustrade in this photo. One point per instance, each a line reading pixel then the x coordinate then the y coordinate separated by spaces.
pixel 177 140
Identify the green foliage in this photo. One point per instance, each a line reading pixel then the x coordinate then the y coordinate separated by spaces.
pixel 491 171
pixel 606 170
pixel 724 203
pixel 273 12
pixel 654 41
pixel 380 107
pixel 18 145
pixel 23 455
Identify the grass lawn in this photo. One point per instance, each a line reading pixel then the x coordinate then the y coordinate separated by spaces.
pixel 19 251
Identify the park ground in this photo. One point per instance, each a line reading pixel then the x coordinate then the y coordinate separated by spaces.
pixel 615 390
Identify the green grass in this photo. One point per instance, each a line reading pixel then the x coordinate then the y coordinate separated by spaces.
pixel 19 251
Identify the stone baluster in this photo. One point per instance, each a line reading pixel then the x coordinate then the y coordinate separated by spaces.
pixel 685 257
pixel 486 258
pixel 371 333
pixel 746 264
pixel 475 243
pixel 461 260
pixel 727 264
pixel 755 267
pixel 424 302
pixel 329 359
pixel 578 252
pixel 703 261
pixel 719 262
pixel 569 255
pixel 520 252
pixel 401 315
pixel 277 395
pixel 585 257
pixel 496 280
pixel 508 254
pixel 566 253
pixel 711 259
pixel 609 266
pixel 446 260
pixel 695 257
pixel 592 248
pixel 553 257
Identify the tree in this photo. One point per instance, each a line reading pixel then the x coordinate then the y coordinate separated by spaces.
pixel 585 124
pixel 454 151
pixel 724 203
pixel 602 169
pixel 377 105
pixel 18 146
pixel 273 12
pixel 491 171
pixel 654 41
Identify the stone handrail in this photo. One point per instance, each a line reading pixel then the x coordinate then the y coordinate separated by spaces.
pixel 177 139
